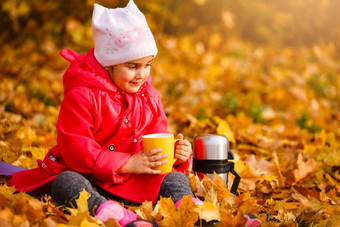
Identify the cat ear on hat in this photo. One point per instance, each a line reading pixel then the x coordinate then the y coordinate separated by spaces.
pixel 132 4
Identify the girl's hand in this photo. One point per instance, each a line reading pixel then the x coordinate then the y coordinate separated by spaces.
pixel 182 150
pixel 143 162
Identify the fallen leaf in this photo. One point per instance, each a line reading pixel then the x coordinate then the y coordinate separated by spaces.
pixel 220 187
pixel 208 212
pixel 304 168
pixel 35 210
pixel 6 215
pixel 48 222
pixel 82 201
pixel 145 210
pixel 184 215
pixel 211 196
pixel 230 220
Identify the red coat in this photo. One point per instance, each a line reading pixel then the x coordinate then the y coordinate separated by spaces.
pixel 99 128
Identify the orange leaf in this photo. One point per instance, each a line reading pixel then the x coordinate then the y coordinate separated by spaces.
pixel 35 210
pixel 145 210
pixel 183 215
pixel 220 187
pixel 229 220
pixel 208 212
pixel 304 168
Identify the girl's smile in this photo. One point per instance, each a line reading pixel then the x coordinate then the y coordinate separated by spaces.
pixel 130 76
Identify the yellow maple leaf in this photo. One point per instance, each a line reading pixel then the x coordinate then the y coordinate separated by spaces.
pixel 184 215
pixel 168 209
pixel 208 212
pixel 79 215
pixel 187 211
pixel 82 201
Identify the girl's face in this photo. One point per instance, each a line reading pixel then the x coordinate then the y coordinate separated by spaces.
pixel 130 76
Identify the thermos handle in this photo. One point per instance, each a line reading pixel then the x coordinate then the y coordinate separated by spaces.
pixel 236 182
pixel 237 177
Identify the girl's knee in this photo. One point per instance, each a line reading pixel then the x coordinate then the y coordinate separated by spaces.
pixel 176 176
pixel 67 176
pixel 67 185
pixel 68 181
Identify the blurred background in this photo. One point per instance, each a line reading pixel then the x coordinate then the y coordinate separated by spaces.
pixel 239 68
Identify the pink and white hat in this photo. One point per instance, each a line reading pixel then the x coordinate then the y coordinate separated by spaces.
pixel 121 35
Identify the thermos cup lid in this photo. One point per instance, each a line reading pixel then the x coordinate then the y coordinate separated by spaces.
pixel 211 147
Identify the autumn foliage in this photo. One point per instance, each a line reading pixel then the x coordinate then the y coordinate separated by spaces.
pixel 263 73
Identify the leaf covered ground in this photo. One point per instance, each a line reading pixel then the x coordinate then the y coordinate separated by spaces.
pixel 278 104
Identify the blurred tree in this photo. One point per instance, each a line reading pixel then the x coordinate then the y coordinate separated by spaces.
pixel 289 23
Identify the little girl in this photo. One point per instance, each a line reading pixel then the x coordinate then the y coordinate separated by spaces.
pixel 109 104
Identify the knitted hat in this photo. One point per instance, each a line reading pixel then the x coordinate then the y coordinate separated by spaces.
pixel 121 35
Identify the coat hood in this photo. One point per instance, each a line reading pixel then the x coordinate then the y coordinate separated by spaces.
pixel 86 71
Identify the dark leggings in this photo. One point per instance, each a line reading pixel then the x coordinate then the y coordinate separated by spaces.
pixel 67 186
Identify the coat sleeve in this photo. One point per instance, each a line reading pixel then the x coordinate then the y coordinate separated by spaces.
pixel 78 147
pixel 183 167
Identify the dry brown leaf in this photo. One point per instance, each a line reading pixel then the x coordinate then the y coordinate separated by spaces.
pixel 211 196
pixel 145 210
pixel 304 168
pixel 199 190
